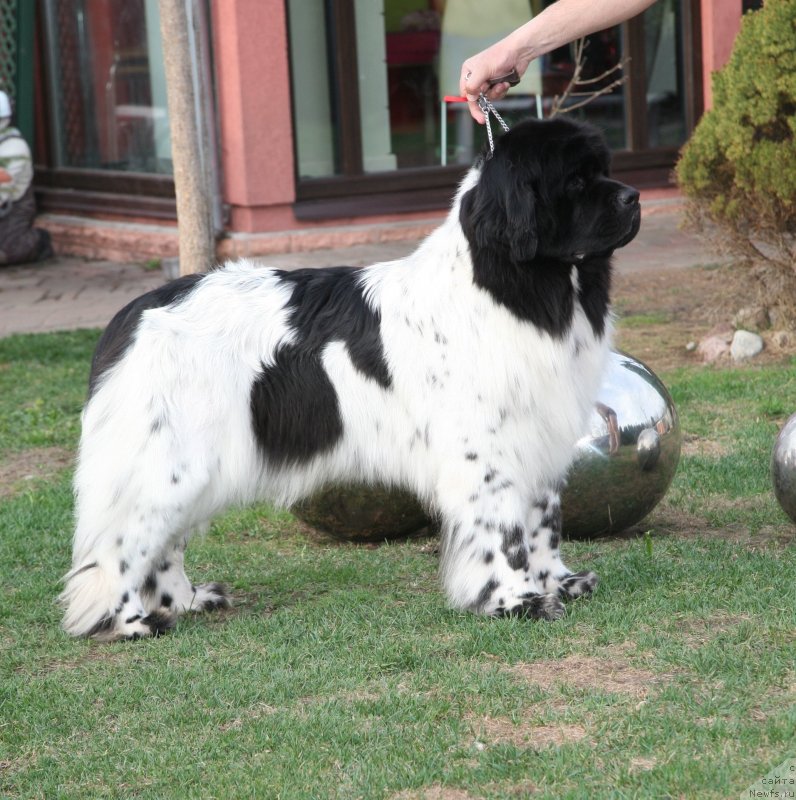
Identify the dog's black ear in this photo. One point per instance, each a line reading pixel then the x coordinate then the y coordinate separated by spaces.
pixel 499 213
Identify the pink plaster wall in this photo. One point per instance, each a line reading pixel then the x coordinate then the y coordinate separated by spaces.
pixel 721 21
pixel 253 85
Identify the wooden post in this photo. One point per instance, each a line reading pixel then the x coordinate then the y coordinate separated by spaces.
pixel 194 221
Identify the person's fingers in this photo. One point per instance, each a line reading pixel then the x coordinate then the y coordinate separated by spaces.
pixel 474 80
pixel 468 85
pixel 498 91
pixel 475 111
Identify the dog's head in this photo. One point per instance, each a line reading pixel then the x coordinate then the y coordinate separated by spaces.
pixel 545 193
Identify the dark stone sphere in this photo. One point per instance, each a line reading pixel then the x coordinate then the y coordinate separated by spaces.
pixel 363 513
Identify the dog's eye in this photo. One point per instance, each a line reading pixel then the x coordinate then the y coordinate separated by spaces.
pixel 576 184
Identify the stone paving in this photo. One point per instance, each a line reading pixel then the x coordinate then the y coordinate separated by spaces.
pixel 68 293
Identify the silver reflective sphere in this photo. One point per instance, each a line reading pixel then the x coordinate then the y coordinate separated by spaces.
pixel 783 467
pixel 624 465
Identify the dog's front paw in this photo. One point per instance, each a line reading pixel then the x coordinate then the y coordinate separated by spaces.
pixel 578 584
pixel 535 606
pixel 155 623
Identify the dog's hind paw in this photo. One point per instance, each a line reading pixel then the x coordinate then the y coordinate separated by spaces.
pixel 210 597
pixel 579 584
pixel 535 606
pixel 117 628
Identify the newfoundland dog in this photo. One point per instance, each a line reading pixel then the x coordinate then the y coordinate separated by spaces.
pixel 464 372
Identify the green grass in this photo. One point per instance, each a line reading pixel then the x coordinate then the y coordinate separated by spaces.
pixel 43 380
pixel 340 673
pixel 732 416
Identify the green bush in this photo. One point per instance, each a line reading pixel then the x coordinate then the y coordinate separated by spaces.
pixel 739 167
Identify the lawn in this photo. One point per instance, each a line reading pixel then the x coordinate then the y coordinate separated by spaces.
pixel 340 673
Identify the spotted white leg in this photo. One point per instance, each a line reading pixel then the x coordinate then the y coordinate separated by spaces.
pixel 485 549
pixel 168 590
pixel 547 567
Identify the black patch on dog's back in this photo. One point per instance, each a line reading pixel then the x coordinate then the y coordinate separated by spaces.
pixel 329 305
pixel 295 410
pixel 118 336
pixel 294 405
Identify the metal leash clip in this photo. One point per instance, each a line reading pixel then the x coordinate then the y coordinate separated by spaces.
pixel 512 79
pixel 487 108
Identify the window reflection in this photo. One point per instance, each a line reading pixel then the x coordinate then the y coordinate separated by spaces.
pixel 312 88
pixel 107 87
pixel 665 83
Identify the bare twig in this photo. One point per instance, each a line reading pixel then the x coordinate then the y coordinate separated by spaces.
pixel 577 81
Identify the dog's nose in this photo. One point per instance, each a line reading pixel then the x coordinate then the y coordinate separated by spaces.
pixel 627 196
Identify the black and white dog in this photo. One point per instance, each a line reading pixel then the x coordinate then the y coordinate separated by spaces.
pixel 464 372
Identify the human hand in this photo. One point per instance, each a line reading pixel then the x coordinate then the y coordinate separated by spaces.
pixel 481 70
pixel 5 177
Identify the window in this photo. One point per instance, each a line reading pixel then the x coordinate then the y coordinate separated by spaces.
pixel 103 140
pixel 102 132
pixel 107 90
pixel 370 77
